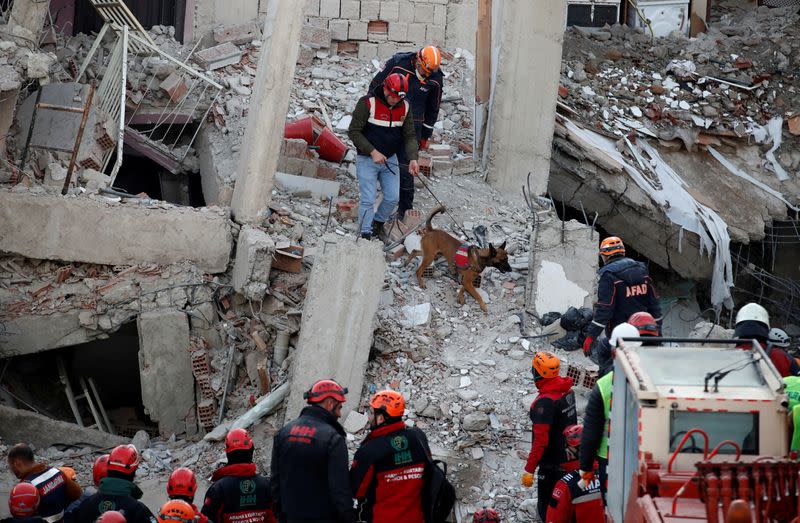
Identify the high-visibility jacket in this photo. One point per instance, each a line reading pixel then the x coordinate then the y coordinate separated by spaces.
pixel 604 384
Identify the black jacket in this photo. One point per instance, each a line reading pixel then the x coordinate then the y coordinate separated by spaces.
pixel 424 98
pixel 309 477
pixel 115 494
pixel 594 424
pixel 30 519
pixel 624 289
pixel 238 495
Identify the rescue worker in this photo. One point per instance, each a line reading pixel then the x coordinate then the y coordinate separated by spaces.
pixel 425 83
pixel 182 485
pixel 99 471
pixel 752 322
pixel 177 510
pixel 56 490
pixel 310 480
pixel 551 412
pixel 238 494
pixel 573 501
pixel 382 129
pixel 111 516
pixel 485 515
pixel 792 391
pixel 624 288
pixel 388 470
pixel 780 341
pixel 117 490
pixel 23 504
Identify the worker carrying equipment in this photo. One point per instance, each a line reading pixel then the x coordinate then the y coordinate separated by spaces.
pixel 573 500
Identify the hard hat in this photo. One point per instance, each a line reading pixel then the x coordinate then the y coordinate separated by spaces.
pixel 778 337
pixel 573 435
pixel 24 500
pixel 645 323
pixel 100 469
pixel 753 312
pixel 325 389
pixel 611 246
pixel 176 510
pixel 545 364
pixel 397 84
pixel 429 59
pixel 111 516
pixel 624 330
pixel 485 515
pixel 389 401
pixel 238 439
pixel 69 472
pixel 123 458
pixel 182 482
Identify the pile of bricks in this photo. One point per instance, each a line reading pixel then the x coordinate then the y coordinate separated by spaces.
pixel 296 158
pixel 201 370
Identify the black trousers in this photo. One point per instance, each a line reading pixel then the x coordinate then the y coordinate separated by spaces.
pixel 602 473
pixel 545 484
pixel 406 201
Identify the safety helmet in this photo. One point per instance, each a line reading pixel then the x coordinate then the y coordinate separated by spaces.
pixel 753 312
pixel 778 337
pixel 182 482
pixel 573 435
pixel 545 364
pixel 485 515
pixel 238 439
pixel 624 330
pixel 325 389
pixel 389 401
pixel 123 458
pixel 612 246
pixel 100 469
pixel 24 500
pixel 429 59
pixel 111 516
pixel 69 472
pixel 397 84
pixel 176 510
pixel 645 323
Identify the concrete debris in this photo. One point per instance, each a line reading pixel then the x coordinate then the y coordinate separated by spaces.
pixel 355 422
pixel 254 251
pixel 417 314
pixel 41 431
pixel 218 56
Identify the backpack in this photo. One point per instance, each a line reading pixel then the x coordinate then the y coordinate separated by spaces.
pixel 439 495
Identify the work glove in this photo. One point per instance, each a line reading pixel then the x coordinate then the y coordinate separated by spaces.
pixel 587 345
pixel 586 479
pixel 423 144
pixel 527 479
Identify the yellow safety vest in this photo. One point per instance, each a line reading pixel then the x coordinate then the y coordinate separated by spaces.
pixel 795 428
pixel 792 390
pixel 604 384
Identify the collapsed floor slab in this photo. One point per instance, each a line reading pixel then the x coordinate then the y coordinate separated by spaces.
pixel 40 431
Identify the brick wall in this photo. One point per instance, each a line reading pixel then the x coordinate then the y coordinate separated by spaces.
pixel 379 28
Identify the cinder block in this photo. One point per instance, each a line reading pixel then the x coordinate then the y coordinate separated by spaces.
pixel 378 37
pixel 440 15
pixel 406 11
pixel 358 30
pixel 305 54
pixel 370 9
pixel 311 8
pixel 398 31
pixel 423 13
pixel 435 34
pixel 416 33
pixel 390 11
pixel 367 50
pixel 238 34
pixel 329 8
pixel 350 9
pixel 315 37
pixel 218 56
pixel 386 50
pixel 322 23
pixel 339 29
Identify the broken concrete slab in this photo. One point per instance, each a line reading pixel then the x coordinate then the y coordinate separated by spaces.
pixel 218 56
pixel 165 369
pixel 29 334
pixel 237 34
pixel 41 431
pixel 50 227
pixel 254 250
pixel 336 331
pixel 318 188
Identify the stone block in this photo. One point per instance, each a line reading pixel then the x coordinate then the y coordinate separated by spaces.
pixel 329 8
pixel 416 33
pixel 465 165
pixel 311 8
pixel 339 29
pixel 237 34
pixel 315 37
pixel 218 56
pixel 305 55
pixel 440 15
pixel 326 171
pixel 357 30
pixel 175 87
pixel 254 250
pixel 370 9
pixel 295 148
pixel 423 13
pixel 435 34
pixel 390 11
pixel 398 31
pixel 439 149
pixel 386 50
pixel 441 167
pixel 322 23
pixel 367 50
pixel 405 11
pixel 350 9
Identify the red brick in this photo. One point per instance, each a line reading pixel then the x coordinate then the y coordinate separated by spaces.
pixel 347 209
pixel 175 87
pixel 326 172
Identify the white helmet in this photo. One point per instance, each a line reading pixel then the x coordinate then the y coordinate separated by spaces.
pixel 752 312
pixel 624 330
pixel 778 337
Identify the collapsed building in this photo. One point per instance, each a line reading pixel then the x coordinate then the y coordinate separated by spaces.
pixel 176 261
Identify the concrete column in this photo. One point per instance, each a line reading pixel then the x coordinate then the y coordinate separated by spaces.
pixel 267 116
pixel 29 15
pixel 524 95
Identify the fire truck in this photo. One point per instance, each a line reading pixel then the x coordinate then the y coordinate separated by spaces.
pixel 696 427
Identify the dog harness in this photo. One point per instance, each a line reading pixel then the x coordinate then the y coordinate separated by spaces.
pixel 462 256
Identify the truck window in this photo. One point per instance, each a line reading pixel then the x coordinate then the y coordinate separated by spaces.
pixel 741 427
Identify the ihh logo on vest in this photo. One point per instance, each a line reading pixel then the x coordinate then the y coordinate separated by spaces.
pixel 106 505
pixel 403 455
pixel 247 488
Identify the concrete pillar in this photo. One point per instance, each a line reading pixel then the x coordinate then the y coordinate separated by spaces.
pixel 165 370
pixel 338 314
pixel 254 250
pixel 524 95
pixel 267 116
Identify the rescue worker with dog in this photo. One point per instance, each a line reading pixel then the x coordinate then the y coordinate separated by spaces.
pixel 573 501
pixel 551 412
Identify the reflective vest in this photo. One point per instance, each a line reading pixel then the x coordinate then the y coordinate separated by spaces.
pixel 604 384
pixel 792 390
pixel 795 428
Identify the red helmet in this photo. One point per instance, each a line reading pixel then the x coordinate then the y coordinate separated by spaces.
pixel 176 510
pixel 645 323
pixel 182 482
pixel 24 500
pixel 238 439
pixel 485 515
pixel 111 516
pixel 573 434
pixel 123 458
pixel 397 84
pixel 325 389
pixel 100 469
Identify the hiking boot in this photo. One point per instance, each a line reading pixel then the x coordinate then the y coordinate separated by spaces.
pixel 379 231
pixel 366 235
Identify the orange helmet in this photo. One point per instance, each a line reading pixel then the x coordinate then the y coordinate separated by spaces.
pixel 325 389
pixel 545 365
pixel 69 472
pixel 182 482
pixel 111 516
pixel 573 435
pixel 611 246
pixel 176 510
pixel 24 500
pixel 123 458
pixel 485 515
pixel 389 401
pixel 100 469
pixel 238 439
pixel 428 60
pixel 645 323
